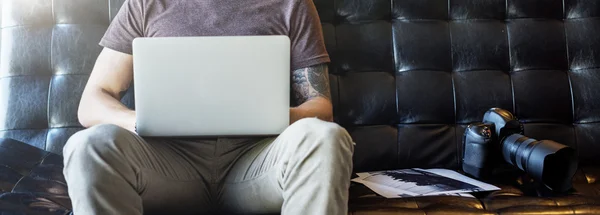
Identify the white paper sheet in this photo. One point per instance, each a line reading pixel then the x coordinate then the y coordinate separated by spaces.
pixel 421 182
pixel 460 177
pixel 395 193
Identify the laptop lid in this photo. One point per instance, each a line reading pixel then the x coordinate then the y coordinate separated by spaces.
pixel 212 86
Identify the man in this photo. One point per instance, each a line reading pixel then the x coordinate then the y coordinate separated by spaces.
pixel 305 170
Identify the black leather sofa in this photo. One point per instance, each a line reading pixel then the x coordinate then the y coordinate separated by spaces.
pixel 407 77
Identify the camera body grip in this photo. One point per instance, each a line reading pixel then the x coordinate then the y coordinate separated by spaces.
pixel 477 143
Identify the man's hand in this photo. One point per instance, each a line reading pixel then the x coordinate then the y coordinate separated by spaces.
pixel 312 93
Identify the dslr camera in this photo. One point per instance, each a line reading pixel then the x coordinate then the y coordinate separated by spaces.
pixel 499 140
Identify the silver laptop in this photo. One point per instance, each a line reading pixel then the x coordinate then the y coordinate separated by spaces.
pixel 212 86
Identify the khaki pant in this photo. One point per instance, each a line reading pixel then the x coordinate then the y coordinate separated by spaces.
pixel 304 171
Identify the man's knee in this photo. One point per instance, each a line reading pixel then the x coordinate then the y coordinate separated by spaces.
pixel 329 136
pixel 99 139
pixel 315 126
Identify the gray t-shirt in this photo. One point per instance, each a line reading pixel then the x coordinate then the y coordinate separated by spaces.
pixel 297 19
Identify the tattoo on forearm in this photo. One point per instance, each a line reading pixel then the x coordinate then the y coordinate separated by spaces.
pixel 310 82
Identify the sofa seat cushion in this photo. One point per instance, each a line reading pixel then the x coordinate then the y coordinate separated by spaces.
pixel 31 181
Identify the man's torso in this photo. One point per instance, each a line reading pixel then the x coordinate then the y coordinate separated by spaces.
pixel 168 18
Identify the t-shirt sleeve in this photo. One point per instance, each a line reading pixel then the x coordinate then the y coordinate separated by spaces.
pixel 126 26
pixel 306 36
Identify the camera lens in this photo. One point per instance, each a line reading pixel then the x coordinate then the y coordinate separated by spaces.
pixel 547 161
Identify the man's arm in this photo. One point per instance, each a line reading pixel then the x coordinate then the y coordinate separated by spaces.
pixel 100 102
pixel 311 92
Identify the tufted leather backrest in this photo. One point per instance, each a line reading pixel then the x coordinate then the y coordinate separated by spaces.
pixel 48 49
pixel 407 76
pixel 411 74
